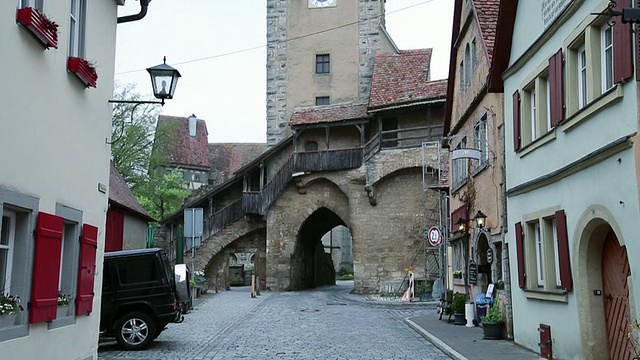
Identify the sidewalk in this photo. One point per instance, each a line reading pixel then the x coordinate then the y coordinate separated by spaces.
pixel 461 342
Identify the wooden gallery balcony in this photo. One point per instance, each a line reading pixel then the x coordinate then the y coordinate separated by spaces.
pixel 326 160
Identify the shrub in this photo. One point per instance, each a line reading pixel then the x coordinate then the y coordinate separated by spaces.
pixel 495 314
pixel 457 303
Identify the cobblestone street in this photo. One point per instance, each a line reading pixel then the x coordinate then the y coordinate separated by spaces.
pixel 327 323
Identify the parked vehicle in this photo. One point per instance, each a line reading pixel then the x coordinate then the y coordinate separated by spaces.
pixel 138 297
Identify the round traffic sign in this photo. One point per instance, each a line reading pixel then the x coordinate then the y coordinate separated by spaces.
pixel 435 236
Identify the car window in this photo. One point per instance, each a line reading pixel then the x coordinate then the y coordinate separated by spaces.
pixel 138 269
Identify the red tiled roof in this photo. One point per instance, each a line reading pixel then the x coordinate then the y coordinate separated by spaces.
pixel 184 150
pixel 328 113
pixel 227 158
pixel 487 15
pixel 402 78
pixel 120 194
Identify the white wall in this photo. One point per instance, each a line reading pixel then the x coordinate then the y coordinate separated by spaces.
pixel 52 146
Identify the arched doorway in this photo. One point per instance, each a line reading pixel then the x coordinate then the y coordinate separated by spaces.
pixel 615 271
pixel 483 264
pixel 311 265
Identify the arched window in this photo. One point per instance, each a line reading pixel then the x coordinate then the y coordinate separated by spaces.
pixel 467 68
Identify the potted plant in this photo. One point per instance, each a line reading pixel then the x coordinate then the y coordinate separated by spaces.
pixel 457 306
pixel 457 274
pixel 493 321
pixel 44 29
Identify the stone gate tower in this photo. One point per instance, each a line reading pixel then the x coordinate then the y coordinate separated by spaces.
pixel 320 52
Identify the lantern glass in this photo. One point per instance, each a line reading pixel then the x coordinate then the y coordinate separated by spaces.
pixel 164 79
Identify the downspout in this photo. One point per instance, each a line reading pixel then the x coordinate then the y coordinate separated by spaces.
pixel 144 4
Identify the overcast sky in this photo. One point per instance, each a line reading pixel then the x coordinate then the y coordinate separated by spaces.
pixel 219 47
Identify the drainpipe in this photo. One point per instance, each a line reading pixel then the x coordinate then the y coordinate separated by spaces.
pixel 143 11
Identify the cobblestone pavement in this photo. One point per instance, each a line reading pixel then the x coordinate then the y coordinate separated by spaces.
pixel 326 323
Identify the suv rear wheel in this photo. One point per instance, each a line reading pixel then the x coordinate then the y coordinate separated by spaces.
pixel 135 331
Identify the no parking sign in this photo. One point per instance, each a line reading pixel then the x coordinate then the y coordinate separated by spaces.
pixel 435 236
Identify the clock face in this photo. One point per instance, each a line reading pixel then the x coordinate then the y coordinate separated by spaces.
pixel 322 3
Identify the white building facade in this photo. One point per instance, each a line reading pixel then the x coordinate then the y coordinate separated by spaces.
pixel 54 178
pixel 571 118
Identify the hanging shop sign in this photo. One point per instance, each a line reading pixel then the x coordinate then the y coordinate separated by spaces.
pixel 473 272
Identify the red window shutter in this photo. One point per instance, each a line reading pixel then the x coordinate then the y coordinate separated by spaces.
pixel 520 255
pixel 46 268
pixel 566 281
pixel 516 120
pixel 636 45
pixel 622 46
pixel 88 247
pixel 556 88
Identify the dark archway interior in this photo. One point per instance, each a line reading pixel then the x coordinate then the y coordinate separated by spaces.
pixel 311 266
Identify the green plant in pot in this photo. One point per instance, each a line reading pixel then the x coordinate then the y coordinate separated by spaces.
pixel 457 306
pixel 493 321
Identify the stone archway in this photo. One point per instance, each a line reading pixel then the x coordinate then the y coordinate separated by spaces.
pixel 311 266
pixel 483 266
pixel 596 229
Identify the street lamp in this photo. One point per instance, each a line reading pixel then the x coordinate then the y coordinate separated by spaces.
pixel 462 225
pixel 164 79
pixel 481 219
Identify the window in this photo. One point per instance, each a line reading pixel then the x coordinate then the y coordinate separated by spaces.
pixel 607 57
pixel 474 57
pixel 322 100
pixel 38 4
pixel 7 238
pixel 462 80
pixel 598 57
pixel 543 249
pixel 468 66
pixel 322 64
pixel 481 141
pixel 460 167
pixel 582 77
pixel 77 28
pixel 536 120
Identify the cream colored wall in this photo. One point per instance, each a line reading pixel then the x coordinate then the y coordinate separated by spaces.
pixel 341 84
pixel 52 141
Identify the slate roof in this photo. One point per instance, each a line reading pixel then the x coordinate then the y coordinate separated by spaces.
pixel 487 16
pixel 227 158
pixel 328 114
pixel 121 195
pixel 184 150
pixel 403 78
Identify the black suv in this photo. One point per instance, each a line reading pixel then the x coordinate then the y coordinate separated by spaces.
pixel 138 297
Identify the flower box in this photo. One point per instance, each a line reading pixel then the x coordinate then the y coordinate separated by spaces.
pixel 83 70
pixel 45 30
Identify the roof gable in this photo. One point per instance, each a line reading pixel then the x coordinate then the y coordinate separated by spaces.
pixel 486 12
pixel 403 78
pixel 172 135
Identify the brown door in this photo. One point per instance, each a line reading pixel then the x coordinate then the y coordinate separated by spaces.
pixel 615 270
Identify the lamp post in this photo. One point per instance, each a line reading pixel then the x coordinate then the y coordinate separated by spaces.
pixel 164 79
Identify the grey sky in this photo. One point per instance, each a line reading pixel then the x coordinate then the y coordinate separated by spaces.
pixel 219 48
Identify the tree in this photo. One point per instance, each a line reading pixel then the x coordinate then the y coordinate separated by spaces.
pixel 134 134
pixel 163 194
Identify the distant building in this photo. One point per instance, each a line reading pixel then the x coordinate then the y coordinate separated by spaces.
pixel 127 221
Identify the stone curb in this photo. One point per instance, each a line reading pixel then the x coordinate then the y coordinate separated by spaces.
pixel 435 341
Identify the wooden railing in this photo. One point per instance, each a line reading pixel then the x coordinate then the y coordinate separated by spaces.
pixel 328 160
pixel 223 218
pixel 277 184
pixel 402 139
pixel 252 202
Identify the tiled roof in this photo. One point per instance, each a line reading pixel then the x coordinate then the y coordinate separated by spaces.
pixel 403 78
pixel 227 158
pixel 328 113
pixel 120 194
pixel 180 148
pixel 487 13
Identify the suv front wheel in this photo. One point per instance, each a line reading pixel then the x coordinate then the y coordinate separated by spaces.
pixel 135 331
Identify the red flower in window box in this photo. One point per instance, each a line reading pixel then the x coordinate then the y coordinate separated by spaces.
pixel 83 70
pixel 45 30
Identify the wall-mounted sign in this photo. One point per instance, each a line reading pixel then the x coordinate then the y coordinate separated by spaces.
pixel 465 154
pixel 489 256
pixel 473 272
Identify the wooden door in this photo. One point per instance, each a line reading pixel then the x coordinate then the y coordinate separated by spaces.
pixel 615 270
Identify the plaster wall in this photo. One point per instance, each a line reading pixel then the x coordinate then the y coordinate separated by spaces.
pixel 134 233
pixel 53 135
